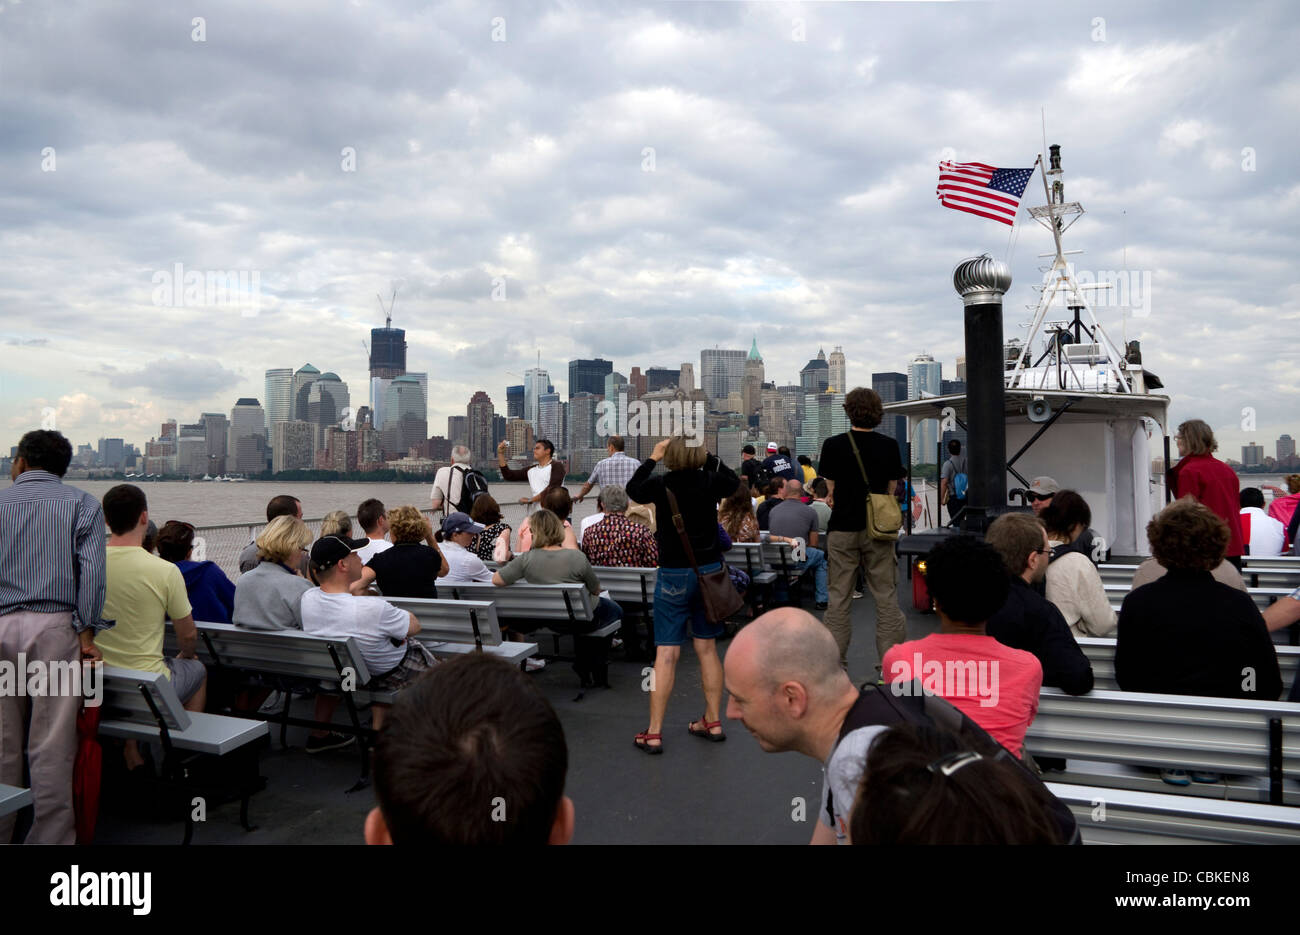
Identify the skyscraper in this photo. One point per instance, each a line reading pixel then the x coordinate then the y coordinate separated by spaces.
pixel 515 401
pixel 686 378
pixel 279 395
pixel 892 388
pixel 550 419
pixel 656 378
pixel 582 422
pixel 246 451
pixel 1252 455
pixel 837 373
pixel 479 412
pixel 925 378
pixel 1285 447
pixel 721 373
pixel 192 450
pixel 588 376
pixel 327 403
pixel 291 446
pixel 217 429
pixel 519 433
pixel 752 382
pixel 639 381
pixel 815 375
pixel 536 380
pixel 458 430
pixel 824 416
pixel 387 352
pixel 303 378
pixel 405 425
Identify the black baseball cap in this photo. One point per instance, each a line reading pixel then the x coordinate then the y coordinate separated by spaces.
pixel 747 450
pixel 328 551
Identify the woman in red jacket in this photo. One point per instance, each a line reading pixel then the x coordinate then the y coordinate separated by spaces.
pixel 1201 475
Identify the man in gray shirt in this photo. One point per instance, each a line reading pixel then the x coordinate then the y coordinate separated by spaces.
pixel 795 519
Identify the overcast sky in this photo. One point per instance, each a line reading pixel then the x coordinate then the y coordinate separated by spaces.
pixel 646 179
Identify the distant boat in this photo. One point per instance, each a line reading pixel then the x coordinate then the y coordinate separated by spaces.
pixel 207 477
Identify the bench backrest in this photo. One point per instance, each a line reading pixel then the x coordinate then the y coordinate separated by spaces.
pixel 451 621
pixel 1223 735
pixel 1160 818
pixel 1101 653
pixel 279 652
pixel 521 601
pixel 628 585
pixel 124 698
pixel 754 557
pixel 1263 597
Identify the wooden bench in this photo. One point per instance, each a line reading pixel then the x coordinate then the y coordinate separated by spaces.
pixel 12 799
pixel 1101 654
pixel 1121 816
pixel 1258 740
pixel 453 628
pixel 143 706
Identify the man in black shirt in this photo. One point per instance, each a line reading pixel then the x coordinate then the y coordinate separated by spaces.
pixel 1028 620
pixel 751 469
pixel 848 544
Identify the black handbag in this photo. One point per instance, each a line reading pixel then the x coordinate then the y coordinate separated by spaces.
pixel 721 599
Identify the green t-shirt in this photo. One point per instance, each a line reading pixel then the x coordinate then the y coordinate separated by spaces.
pixel 551 566
pixel 142 590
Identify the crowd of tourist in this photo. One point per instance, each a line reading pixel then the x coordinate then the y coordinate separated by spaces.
pixel 929 750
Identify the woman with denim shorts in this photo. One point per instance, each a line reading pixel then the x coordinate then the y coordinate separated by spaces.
pixel 698 480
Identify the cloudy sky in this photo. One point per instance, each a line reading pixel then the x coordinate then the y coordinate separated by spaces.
pixel 627 180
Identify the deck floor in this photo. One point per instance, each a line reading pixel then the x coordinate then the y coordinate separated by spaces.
pixel 695 793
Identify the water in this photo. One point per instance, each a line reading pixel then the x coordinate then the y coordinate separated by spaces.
pixel 214 504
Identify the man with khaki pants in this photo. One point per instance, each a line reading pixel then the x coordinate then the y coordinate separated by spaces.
pixel 848 544
pixel 52 576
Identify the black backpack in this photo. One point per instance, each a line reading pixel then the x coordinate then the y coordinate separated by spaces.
pixel 472 486
pixel 879 705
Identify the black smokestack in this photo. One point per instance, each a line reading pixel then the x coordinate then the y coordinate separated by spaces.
pixel 981 282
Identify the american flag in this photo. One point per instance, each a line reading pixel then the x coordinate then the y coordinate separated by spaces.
pixel 984 190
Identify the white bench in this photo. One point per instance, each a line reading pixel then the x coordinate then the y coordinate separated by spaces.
pixel 1263 597
pixel 337 666
pixel 1101 654
pixel 1258 740
pixel 12 799
pixel 1121 816
pixel 536 603
pixel 453 628
pixel 143 706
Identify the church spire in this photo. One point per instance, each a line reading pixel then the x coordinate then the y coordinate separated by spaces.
pixel 753 350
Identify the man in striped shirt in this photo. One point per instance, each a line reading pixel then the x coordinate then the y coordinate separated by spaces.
pixel 617 469
pixel 51 601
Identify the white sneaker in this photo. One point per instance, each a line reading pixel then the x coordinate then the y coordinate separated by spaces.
pixel 532 664
pixel 856 595
pixel 273 703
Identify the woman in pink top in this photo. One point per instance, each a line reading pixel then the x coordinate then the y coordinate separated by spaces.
pixel 558 501
pixel 1201 475
pixel 1283 508
pixel 992 684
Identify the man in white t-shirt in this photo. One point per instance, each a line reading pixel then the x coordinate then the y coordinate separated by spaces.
pixel 786 685
pixel 541 477
pixel 381 630
pixel 374 520
pixel 1263 534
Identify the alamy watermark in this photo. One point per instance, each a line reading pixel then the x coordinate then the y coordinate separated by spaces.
pixel 655 418
pixel 1129 288
pixel 951 678
pixel 46 678
pixel 181 288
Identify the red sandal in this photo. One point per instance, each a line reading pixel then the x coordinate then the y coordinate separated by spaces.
pixel 707 730
pixel 643 739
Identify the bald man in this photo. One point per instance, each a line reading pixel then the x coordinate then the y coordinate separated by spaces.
pixel 786 686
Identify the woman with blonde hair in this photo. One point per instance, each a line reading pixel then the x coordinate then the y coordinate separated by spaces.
pixel 409 568
pixel 336 523
pixel 1201 475
pixel 550 561
pixel 269 597
pixel 697 480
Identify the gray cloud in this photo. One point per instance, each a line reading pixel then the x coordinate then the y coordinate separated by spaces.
pixel 791 197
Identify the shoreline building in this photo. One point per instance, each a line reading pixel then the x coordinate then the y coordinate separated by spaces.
pixel 722 372
pixel 836 374
pixel 279 396
pixel 303 378
pixel 405 425
pixel 752 383
pixel 892 387
pixel 824 416
pixel 479 415
pixel 536 382
pixel 925 378
pixel 515 401
pixel 588 376
pixel 292 448
pixel 247 447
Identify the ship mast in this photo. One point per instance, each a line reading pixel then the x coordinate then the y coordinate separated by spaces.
pixel 1058 216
